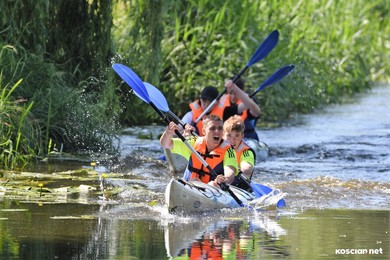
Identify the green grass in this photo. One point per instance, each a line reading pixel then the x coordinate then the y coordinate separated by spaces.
pixel 18 135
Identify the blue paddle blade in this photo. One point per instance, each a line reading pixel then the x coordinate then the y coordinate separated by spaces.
pixel 281 203
pixel 132 79
pixel 265 48
pixel 157 97
pixel 261 190
pixel 278 75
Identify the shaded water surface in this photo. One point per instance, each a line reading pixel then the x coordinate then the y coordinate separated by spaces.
pixel 334 167
pixel 75 231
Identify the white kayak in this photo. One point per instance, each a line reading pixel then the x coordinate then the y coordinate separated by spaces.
pixel 177 163
pixel 195 196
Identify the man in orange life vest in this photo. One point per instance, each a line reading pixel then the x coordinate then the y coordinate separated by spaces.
pixel 197 107
pixel 219 155
pixel 233 130
pixel 235 102
pixel 238 102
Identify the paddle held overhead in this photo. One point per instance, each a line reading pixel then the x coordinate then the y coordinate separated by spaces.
pixel 262 51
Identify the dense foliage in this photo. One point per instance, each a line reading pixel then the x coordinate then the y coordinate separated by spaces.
pixel 205 42
pixel 63 51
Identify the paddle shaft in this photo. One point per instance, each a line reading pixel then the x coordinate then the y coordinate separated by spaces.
pixel 261 52
pixel 211 170
pixel 275 77
pixel 207 110
pixel 250 183
pixel 179 121
pixel 160 102
pixel 255 92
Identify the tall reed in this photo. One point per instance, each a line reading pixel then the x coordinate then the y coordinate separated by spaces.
pixel 56 47
pixel 18 134
pixel 339 48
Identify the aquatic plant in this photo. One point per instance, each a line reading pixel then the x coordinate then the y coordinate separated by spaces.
pixel 18 134
pixel 40 185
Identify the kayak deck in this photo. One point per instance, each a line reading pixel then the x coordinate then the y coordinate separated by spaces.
pixel 194 196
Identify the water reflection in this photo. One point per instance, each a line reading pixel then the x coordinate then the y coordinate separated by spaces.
pixel 224 239
pixel 34 231
pixel 80 231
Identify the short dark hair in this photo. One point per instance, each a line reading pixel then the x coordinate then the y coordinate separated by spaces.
pixel 209 93
pixel 240 82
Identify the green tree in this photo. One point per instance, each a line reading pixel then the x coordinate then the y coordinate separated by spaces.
pixel 62 50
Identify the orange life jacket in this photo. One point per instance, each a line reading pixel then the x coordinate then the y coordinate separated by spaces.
pixel 197 111
pixel 243 148
pixel 240 150
pixel 226 103
pixel 214 159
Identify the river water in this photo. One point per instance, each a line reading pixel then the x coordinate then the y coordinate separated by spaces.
pixel 334 167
